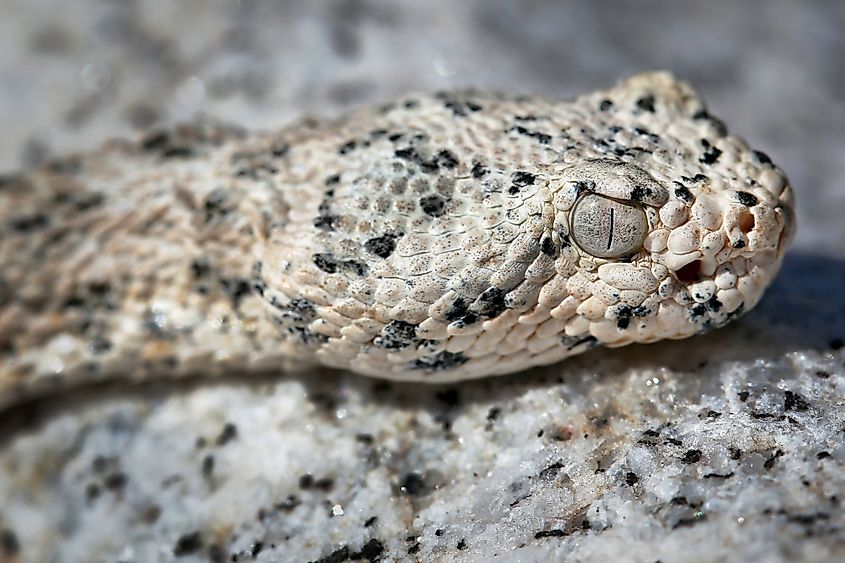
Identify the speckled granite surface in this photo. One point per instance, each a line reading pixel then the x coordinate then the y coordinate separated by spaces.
pixel 726 447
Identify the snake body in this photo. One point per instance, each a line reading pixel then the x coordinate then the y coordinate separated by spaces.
pixel 433 238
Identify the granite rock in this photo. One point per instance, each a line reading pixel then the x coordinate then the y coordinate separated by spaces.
pixel 724 447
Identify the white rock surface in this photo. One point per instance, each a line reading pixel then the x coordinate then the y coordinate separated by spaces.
pixel 725 447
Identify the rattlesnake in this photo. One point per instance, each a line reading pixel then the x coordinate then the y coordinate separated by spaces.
pixel 435 238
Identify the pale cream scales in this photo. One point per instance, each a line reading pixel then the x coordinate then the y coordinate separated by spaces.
pixel 436 238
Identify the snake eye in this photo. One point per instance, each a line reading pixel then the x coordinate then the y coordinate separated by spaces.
pixel 607 228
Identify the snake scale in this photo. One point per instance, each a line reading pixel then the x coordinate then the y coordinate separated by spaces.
pixel 435 238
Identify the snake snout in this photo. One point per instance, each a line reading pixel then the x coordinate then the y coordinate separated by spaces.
pixel 785 211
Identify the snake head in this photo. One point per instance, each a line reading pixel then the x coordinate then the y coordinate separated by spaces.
pixel 466 233
pixel 678 229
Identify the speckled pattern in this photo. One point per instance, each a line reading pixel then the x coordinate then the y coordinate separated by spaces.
pixel 723 447
pixel 435 238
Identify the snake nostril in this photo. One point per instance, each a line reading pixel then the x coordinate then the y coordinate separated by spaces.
pixel 690 273
pixel 746 222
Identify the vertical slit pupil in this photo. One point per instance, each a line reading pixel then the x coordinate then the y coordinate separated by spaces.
pixel 610 236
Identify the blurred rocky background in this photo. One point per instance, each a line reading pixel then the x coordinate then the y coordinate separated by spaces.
pixel 726 447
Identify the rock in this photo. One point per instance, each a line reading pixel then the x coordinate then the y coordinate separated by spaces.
pixel 723 447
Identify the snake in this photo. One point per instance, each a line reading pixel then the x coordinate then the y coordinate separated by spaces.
pixel 436 237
